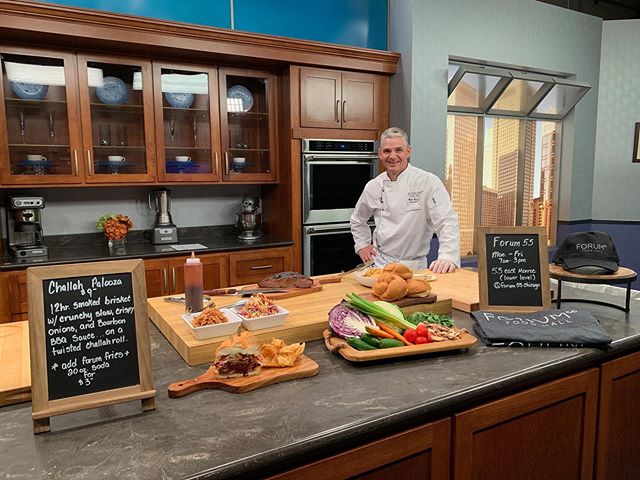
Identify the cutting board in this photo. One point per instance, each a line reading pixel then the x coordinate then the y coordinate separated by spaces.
pixel 406 301
pixel 15 379
pixel 304 367
pixel 461 287
pixel 291 292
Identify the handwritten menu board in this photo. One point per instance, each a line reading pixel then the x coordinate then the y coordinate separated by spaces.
pixel 90 334
pixel 89 338
pixel 513 268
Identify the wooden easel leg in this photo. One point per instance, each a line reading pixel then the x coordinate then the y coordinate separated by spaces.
pixel 148 404
pixel 41 425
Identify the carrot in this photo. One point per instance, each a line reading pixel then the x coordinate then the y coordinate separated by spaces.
pixel 395 334
pixel 378 333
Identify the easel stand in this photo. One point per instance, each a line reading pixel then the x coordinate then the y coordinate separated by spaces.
pixel 623 275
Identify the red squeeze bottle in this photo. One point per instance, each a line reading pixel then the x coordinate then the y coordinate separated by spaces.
pixel 193 284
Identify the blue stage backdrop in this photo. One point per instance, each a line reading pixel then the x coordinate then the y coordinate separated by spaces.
pixel 357 23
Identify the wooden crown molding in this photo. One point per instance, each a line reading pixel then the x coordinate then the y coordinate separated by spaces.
pixel 23 19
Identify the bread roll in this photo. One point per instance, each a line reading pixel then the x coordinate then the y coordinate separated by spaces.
pixel 390 287
pixel 418 288
pixel 399 269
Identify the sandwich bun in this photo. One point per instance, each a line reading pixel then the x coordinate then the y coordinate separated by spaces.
pixel 390 287
pixel 244 342
pixel 399 269
pixel 418 288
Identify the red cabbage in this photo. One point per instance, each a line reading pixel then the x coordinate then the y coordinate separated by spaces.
pixel 345 321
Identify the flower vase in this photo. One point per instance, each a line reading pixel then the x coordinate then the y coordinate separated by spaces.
pixel 118 246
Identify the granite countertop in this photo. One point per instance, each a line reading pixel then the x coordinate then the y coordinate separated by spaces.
pixel 93 247
pixel 216 434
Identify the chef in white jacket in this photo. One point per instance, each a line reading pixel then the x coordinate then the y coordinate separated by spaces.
pixel 408 206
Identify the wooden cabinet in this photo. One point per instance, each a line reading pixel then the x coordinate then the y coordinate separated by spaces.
pixel 253 266
pixel 166 276
pixel 421 453
pixel 346 100
pixel 13 296
pixel 187 125
pixel 73 119
pixel 247 124
pixel 617 455
pixel 547 432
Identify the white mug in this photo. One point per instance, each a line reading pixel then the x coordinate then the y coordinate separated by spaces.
pixel 36 158
pixel 116 158
pixel 183 158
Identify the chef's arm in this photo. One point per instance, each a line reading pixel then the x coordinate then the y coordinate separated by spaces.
pixel 445 222
pixel 359 227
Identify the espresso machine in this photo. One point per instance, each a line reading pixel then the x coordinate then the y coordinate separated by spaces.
pixel 24 227
pixel 164 230
pixel 249 221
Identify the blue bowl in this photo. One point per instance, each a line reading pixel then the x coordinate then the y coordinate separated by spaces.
pixel 29 91
pixel 113 91
pixel 179 100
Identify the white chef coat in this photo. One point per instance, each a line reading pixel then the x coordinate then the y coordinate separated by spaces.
pixel 407 212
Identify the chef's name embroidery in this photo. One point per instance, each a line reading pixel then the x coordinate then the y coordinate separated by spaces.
pixel 413 198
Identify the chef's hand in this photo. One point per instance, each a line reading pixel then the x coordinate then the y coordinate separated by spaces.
pixel 367 254
pixel 442 266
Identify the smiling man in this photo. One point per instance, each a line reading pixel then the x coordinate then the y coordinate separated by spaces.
pixel 408 206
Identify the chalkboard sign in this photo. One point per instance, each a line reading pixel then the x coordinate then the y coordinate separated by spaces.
pixel 513 270
pixel 89 337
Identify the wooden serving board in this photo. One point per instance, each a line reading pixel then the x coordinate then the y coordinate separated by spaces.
pixel 406 301
pixel 461 287
pixel 304 367
pixel 340 346
pixel 15 379
pixel 291 292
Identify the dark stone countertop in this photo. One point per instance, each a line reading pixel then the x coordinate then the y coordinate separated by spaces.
pixel 216 434
pixel 92 247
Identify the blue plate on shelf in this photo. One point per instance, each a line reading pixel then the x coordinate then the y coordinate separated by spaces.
pixel 113 91
pixel 241 94
pixel 179 100
pixel 29 91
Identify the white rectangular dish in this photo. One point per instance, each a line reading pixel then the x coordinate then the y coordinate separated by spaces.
pixel 215 330
pixel 267 321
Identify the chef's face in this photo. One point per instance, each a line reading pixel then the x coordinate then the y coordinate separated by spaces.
pixel 394 154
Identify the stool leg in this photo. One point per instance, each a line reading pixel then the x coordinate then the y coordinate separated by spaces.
pixel 559 303
pixel 626 307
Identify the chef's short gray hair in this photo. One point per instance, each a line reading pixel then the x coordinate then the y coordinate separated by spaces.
pixel 392 132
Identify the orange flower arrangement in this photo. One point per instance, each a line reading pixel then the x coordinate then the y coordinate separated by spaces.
pixel 114 226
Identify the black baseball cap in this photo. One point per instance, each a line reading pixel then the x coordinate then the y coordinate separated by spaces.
pixel 588 252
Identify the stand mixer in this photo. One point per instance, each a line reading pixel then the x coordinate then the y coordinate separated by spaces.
pixel 164 230
pixel 249 220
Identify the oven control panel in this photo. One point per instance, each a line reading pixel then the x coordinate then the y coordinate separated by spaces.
pixel 353 146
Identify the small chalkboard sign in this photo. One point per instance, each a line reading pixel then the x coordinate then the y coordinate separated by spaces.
pixel 89 338
pixel 513 269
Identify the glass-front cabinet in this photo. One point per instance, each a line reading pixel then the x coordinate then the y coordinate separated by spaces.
pixel 116 102
pixel 247 125
pixel 40 139
pixel 188 137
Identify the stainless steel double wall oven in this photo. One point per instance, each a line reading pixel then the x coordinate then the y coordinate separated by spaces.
pixel 334 173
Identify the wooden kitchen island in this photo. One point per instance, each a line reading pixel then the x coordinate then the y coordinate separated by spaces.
pixel 487 413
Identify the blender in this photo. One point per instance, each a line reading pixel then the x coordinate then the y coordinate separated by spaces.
pixel 164 230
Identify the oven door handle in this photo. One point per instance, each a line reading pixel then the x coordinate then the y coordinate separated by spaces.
pixel 365 158
pixel 328 229
pixel 341 162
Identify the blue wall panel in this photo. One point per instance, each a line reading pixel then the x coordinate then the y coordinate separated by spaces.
pixel 215 13
pixel 359 23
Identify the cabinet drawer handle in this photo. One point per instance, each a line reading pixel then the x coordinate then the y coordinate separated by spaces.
pixel 175 282
pixel 165 285
pixel 75 157
pixel 344 112
pixel 89 161
pixel 336 110
pixel 216 154
pixel 261 267
pixel 226 163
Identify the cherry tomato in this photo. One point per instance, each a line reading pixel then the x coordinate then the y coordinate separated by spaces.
pixel 410 334
pixel 421 330
pixel 421 340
